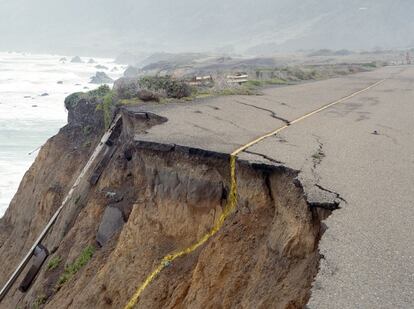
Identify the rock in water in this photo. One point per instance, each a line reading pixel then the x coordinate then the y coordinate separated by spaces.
pixel 101 78
pixel 76 59
pixel 112 221
pixel 91 61
pixel 101 67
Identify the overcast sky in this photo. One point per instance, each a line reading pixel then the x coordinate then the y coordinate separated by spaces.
pixel 109 27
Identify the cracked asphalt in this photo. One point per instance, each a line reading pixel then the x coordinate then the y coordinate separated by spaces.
pixel 358 155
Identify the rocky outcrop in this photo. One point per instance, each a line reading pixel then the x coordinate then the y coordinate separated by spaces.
pixel 76 59
pixel 127 88
pixel 84 112
pixel 101 67
pixel 112 221
pixel 101 78
pixel 131 71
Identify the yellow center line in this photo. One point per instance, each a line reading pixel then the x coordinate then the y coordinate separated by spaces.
pixel 231 200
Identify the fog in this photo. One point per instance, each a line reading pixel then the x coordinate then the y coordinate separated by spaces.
pixel 109 27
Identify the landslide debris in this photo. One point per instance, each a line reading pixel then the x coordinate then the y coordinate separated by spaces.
pixel 151 200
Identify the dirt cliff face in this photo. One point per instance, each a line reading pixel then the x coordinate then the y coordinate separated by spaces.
pixel 168 197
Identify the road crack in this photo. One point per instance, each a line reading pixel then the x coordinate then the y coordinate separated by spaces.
pixel 272 113
pixel 264 156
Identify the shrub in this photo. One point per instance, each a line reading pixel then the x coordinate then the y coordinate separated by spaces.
pixel 106 106
pixel 126 88
pixel 72 100
pixel 72 269
pixel 54 263
pixel 100 92
pixel 178 90
pixel 172 88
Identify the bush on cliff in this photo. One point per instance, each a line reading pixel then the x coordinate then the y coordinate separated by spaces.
pixel 93 109
pixel 172 88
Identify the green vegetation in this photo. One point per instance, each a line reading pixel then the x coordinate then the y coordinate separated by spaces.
pixel 54 263
pixel 100 92
pixel 371 65
pixel 173 88
pixel 276 81
pixel 108 102
pixel 130 101
pixel 265 82
pixel 72 269
pixel 73 99
pixel 87 130
pixel 39 301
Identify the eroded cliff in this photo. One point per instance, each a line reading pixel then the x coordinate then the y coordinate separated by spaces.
pixel 143 201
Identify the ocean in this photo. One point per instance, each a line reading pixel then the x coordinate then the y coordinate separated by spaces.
pixel 32 93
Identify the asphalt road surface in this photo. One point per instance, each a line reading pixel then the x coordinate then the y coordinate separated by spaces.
pixel 361 148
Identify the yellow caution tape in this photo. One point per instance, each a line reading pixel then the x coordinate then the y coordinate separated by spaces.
pixel 232 198
pixel 168 259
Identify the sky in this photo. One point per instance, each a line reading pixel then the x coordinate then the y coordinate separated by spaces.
pixel 109 27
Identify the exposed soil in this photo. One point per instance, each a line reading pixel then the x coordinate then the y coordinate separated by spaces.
pixel 265 256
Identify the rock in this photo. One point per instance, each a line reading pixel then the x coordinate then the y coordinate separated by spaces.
pixel 127 88
pixel 85 87
pixel 101 67
pixel 63 60
pixel 34 105
pixel 83 111
pixel 76 59
pixel 112 222
pixel 101 78
pixel 60 82
pixel 27 97
pixel 114 69
pixel 91 61
pixel 44 94
pixel 146 95
pixel 131 72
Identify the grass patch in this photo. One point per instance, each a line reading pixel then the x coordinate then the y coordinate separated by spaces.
pixel 100 92
pixel 130 101
pixel 254 83
pixel 276 81
pixel 371 65
pixel 39 301
pixel 248 88
pixel 54 263
pixel 72 269
pixel 106 107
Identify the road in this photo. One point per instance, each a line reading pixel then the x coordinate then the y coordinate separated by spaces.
pixel 361 148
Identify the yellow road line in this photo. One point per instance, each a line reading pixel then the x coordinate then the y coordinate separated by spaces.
pixel 248 145
pixel 231 201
